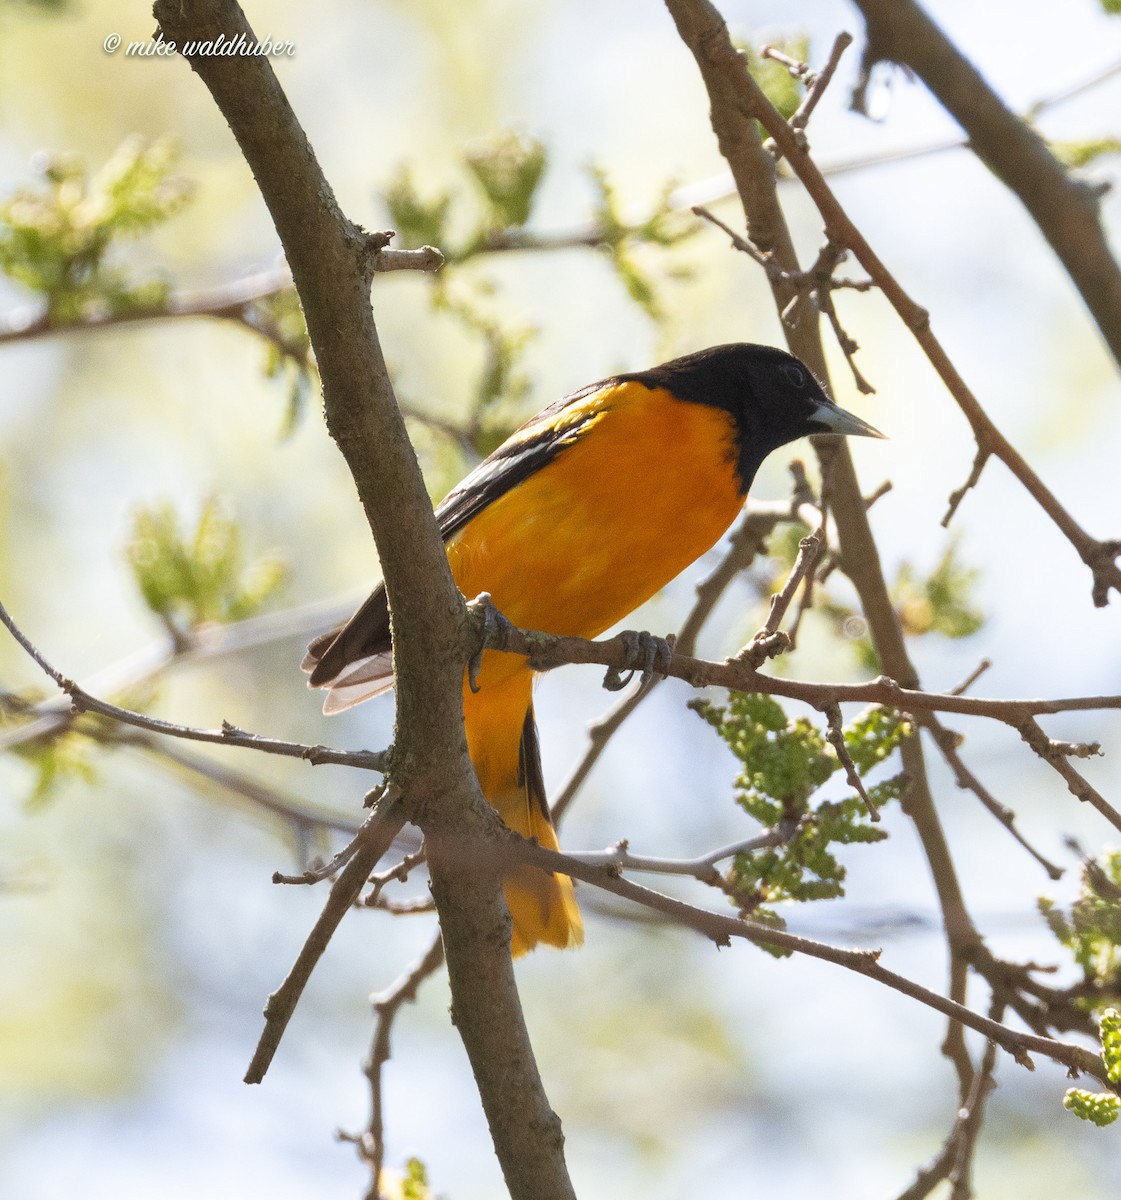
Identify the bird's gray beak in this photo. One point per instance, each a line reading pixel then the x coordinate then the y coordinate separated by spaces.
pixel 832 419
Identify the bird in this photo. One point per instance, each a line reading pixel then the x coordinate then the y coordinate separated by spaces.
pixel 580 516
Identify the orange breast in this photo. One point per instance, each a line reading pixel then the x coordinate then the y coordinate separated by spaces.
pixel 646 489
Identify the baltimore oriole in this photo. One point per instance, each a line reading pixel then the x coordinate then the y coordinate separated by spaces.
pixel 579 517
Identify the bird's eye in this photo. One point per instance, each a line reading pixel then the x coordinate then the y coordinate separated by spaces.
pixel 795 376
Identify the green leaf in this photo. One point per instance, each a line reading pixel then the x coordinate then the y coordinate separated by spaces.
pixel 58 239
pixel 55 760
pixel 874 736
pixel 1082 153
pixel 508 169
pixel 280 320
pixel 410 1184
pixel 785 762
pixel 418 221
pixel 189 579
pixel 941 602
pixel 1109 1030
pixel 663 227
pixel 501 379
pixel 1101 1108
pixel 768 916
pixel 1091 930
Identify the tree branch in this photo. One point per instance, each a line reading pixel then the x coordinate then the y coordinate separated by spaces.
pixel 1066 211
pixel 228 735
pixel 371 842
pixel 620 858
pixel 387 1004
pixel 721 929
pixel 333 262
pixel 736 103
pixel 545 651
pixel 1099 556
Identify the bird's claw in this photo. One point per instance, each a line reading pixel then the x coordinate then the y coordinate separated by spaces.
pixel 644 652
pixel 495 628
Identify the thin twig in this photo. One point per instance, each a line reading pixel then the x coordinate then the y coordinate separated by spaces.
pixel 228 735
pixel 947 742
pixel 824 285
pixel 386 1005
pixel 620 858
pixel 721 929
pixel 817 284
pixel 371 841
pixel 206 642
pixel 972 677
pixel 835 735
pixel 426 259
pixel 968 1125
pixel 406 908
pixel 958 494
pixel 327 870
pixel 304 817
pixel 395 874
pixel 768 641
pixel 817 83
pixel 1058 755
pixel 1100 556
pixel 953 1160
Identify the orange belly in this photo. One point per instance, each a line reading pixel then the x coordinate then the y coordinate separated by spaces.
pixel 610 521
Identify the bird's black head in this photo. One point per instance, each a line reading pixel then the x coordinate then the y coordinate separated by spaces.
pixel 773 397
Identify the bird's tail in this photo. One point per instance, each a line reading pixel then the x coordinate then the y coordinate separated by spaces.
pixel 542 906
pixel 502 735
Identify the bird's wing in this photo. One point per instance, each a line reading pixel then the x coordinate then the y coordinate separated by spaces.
pixel 526 451
pixel 356 661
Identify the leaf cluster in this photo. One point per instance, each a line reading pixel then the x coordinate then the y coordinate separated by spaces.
pixel 57 239
pixel 55 760
pixel 620 239
pixel 66 750
pixel 785 763
pixel 1091 930
pixel 1101 1108
pixel 1085 151
pixel 189 579
pixel 938 603
pixel 492 216
pixel 506 172
pixel 411 1184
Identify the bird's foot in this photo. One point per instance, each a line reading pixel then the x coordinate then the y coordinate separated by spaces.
pixel 645 653
pixel 495 627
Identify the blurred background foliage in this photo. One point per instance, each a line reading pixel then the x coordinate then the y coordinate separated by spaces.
pixel 160 477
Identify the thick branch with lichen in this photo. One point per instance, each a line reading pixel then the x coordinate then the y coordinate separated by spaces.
pixel 332 263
